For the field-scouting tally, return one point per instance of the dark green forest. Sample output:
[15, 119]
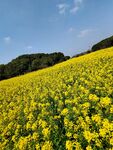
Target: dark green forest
[28, 63]
[103, 44]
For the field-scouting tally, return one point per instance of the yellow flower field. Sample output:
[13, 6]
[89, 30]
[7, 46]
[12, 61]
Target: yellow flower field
[65, 107]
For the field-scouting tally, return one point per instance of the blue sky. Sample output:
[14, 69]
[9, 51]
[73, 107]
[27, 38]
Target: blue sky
[69, 26]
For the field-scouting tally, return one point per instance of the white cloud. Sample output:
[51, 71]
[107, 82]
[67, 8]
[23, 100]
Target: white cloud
[62, 8]
[29, 47]
[78, 1]
[71, 29]
[76, 7]
[84, 33]
[7, 39]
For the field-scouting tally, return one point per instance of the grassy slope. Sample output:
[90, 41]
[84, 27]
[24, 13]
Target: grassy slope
[70, 92]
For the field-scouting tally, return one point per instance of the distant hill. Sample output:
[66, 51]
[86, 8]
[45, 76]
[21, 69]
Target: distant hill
[108, 42]
[27, 63]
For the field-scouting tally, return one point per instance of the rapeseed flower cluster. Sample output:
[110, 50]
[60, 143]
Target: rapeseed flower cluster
[65, 107]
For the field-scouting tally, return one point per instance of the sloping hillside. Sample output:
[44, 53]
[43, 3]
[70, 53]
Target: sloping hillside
[63, 107]
[108, 42]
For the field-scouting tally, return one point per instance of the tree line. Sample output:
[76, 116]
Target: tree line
[30, 62]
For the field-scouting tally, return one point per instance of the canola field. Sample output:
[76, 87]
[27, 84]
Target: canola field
[65, 107]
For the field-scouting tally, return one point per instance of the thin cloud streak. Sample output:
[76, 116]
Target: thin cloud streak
[85, 33]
